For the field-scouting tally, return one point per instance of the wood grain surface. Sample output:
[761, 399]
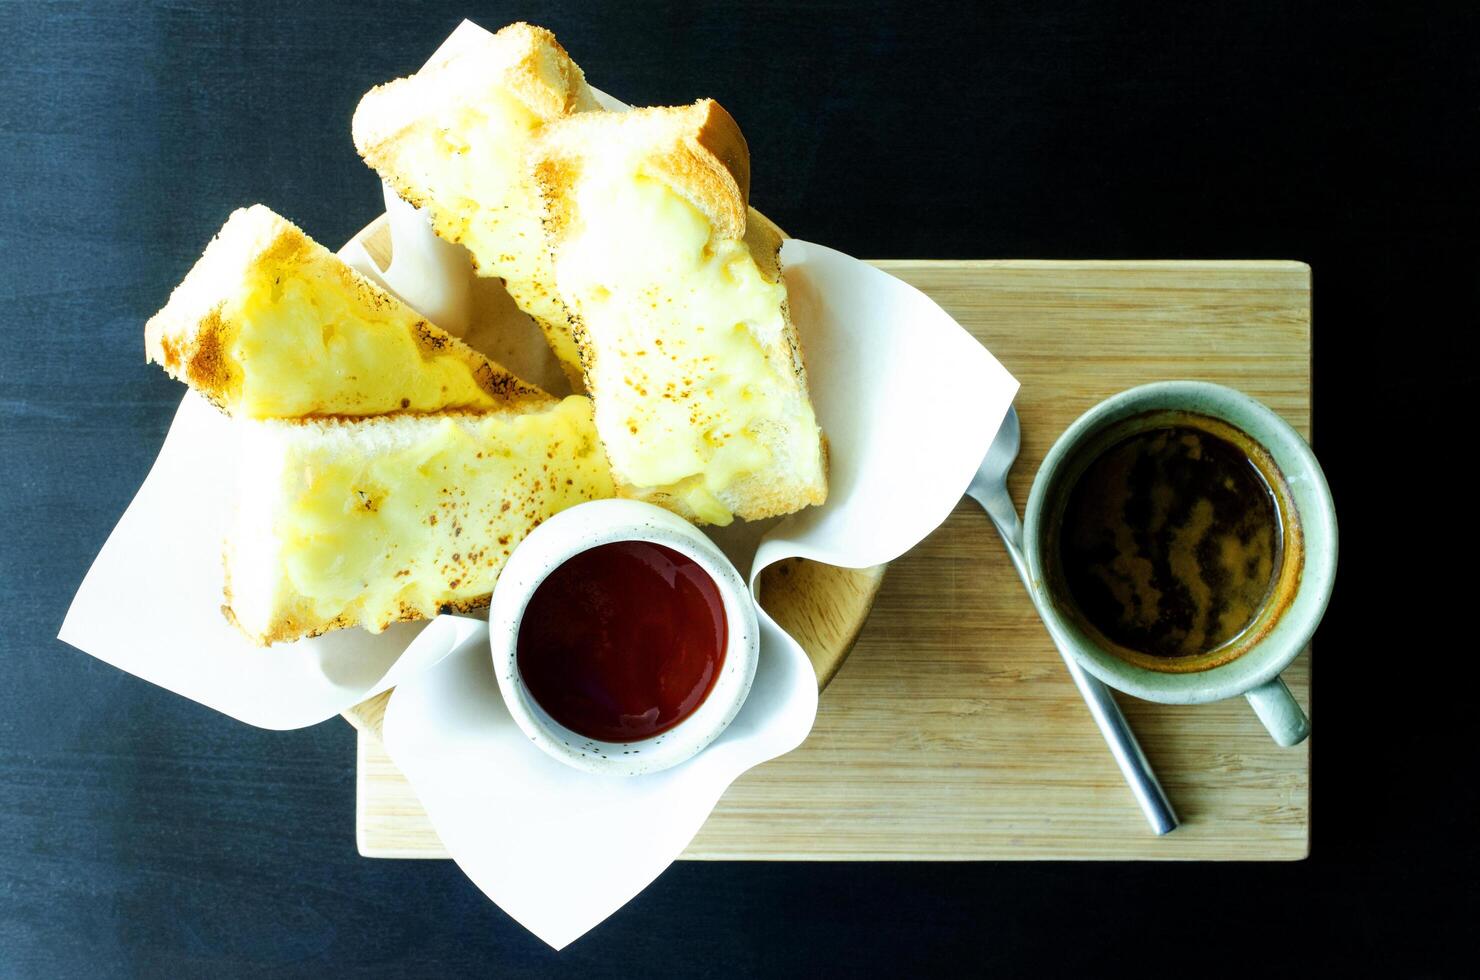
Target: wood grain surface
[952, 731]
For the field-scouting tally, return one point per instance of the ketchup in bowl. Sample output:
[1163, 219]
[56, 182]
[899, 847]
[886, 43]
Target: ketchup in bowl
[624, 641]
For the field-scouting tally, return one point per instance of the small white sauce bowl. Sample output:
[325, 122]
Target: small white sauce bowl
[580, 529]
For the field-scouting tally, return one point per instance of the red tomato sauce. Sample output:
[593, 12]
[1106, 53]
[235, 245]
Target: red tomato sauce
[623, 641]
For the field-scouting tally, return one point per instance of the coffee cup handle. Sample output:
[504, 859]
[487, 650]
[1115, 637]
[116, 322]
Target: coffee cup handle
[1280, 712]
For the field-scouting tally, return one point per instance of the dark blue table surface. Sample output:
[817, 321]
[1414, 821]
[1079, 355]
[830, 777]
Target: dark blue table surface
[141, 834]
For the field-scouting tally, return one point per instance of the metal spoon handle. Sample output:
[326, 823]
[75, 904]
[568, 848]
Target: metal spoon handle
[1124, 748]
[1102, 707]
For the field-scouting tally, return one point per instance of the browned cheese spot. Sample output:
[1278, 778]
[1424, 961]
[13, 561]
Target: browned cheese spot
[207, 368]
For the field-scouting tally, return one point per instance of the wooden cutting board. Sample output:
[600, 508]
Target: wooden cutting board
[952, 730]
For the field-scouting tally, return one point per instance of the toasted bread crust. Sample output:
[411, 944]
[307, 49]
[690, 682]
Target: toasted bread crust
[196, 359]
[705, 161]
[526, 60]
[192, 352]
[700, 153]
[290, 629]
[710, 167]
[192, 336]
[393, 119]
[544, 76]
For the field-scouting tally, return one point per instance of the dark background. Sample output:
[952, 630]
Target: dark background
[140, 833]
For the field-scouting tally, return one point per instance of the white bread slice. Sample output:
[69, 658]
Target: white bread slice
[451, 140]
[679, 312]
[366, 522]
[270, 324]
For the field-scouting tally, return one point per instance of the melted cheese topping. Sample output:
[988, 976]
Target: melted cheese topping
[693, 387]
[467, 165]
[373, 526]
[310, 339]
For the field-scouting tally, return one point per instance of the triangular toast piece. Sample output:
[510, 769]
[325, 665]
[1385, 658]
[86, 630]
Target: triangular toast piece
[364, 522]
[679, 312]
[451, 140]
[270, 324]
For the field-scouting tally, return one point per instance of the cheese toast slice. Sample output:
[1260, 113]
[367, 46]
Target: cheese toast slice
[679, 312]
[345, 522]
[451, 139]
[270, 324]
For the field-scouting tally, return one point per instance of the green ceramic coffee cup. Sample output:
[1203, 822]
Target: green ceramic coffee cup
[1250, 665]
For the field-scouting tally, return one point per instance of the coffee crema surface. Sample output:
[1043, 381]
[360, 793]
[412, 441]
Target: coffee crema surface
[1170, 543]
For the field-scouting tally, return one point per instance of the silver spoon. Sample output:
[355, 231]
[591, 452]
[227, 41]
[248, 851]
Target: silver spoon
[989, 488]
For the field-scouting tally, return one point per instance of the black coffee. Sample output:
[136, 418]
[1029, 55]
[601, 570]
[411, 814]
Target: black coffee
[1170, 542]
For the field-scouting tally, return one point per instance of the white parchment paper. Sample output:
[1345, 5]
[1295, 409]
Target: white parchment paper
[561, 850]
[910, 403]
